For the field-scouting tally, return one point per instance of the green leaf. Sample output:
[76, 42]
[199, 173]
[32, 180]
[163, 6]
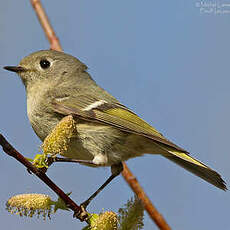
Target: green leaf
[132, 215]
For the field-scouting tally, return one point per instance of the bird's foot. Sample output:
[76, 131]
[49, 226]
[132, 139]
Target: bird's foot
[82, 215]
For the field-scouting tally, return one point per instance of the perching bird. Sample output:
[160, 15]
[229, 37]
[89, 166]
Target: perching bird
[58, 84]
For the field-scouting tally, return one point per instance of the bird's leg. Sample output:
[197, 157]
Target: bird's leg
[60, 159]
[116, 169]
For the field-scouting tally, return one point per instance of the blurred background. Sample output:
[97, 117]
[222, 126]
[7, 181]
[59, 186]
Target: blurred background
[168, 62]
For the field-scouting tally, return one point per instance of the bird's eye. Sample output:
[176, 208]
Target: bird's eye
[45, 64]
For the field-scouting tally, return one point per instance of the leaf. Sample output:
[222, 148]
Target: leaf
[132, 215]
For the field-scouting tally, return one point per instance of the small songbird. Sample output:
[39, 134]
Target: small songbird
[58, 84]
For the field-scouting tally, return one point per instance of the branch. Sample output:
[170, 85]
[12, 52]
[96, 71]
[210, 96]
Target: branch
[11, 151]
[46, 26]
[152, 211]
[130, 179]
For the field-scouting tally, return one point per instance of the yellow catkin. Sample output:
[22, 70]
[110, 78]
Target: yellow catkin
[105, 221]
[58, 140]
[30, 204]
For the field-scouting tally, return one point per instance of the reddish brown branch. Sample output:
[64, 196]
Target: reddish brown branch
[44, 21]
[152, 211]
[11, 151]
[128, 176]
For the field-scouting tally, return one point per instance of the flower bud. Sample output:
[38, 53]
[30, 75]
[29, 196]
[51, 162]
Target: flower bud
[30, 205]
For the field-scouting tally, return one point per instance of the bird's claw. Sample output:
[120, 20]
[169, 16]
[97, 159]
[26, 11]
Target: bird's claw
[82, 215]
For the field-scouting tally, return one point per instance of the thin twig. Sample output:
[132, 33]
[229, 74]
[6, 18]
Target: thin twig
[152, 211]
[11, 151]
[55, 44]
[47, 28]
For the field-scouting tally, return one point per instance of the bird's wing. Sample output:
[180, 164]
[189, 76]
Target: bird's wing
[90, 108]
[93, 109]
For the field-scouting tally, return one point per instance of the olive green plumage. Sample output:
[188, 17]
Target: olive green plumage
[57, 85]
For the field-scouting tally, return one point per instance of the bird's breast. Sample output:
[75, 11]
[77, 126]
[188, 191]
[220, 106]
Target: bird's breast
[41, 117]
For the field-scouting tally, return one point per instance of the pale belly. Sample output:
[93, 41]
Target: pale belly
[106, 146]
[101, 144]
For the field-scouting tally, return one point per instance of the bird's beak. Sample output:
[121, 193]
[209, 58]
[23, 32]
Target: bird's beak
[16, 69]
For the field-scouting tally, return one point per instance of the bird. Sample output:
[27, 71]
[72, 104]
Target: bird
[108, 133]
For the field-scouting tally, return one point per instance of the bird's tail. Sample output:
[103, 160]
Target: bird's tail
[195, 167]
